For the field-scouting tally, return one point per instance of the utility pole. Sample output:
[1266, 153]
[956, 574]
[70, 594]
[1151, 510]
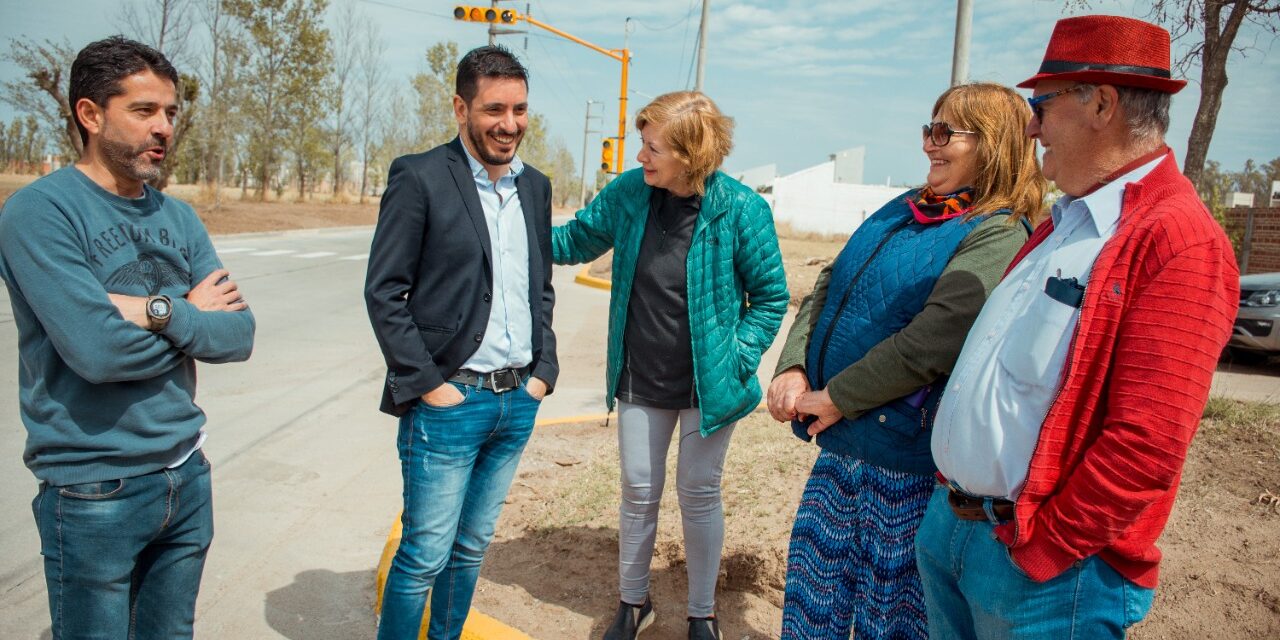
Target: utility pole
[494, 31]
[702, 45]
[960, 55]
[493, 26]
[586, 131]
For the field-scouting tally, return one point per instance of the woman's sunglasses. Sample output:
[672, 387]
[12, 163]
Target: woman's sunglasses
[940, 133]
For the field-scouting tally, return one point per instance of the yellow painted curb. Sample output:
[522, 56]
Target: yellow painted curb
[477, 627]
[556, 422]
[585, 278]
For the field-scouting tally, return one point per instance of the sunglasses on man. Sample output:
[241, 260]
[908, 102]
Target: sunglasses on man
[1037, 102]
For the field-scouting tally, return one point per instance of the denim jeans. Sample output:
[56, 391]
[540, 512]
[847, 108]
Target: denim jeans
[123, 558]
[973, 589]
[457, 463]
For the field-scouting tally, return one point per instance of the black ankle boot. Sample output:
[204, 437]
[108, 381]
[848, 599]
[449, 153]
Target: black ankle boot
[630, 621]
[704, 628]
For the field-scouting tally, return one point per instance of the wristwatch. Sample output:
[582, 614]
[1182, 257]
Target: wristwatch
[159, 308]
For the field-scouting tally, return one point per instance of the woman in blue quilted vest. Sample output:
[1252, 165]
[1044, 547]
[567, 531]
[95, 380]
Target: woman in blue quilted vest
[698, 294]
[868, 356]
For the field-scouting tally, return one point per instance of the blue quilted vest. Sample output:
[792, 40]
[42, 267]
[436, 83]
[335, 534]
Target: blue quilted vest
[879, 282]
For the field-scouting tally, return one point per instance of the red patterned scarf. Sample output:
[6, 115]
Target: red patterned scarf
[930, 208]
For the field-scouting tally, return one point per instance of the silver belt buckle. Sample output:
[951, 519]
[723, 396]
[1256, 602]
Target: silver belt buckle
[510, 380]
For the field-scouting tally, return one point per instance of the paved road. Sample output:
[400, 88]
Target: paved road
[306, 480]
[305, 476]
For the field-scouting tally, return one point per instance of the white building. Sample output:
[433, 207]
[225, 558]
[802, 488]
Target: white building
[826, 199]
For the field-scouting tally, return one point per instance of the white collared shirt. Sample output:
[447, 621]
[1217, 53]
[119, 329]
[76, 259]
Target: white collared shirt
[1009, 371]
[508, 337]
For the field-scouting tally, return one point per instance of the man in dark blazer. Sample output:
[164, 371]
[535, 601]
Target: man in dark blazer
[459, 294]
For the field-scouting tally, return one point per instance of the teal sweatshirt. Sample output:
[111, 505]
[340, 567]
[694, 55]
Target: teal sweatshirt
[102, 398]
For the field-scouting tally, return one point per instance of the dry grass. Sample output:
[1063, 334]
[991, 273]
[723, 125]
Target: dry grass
[786, 232]
[12, 182]
[763, 456]
[1220, 548]
[233, 215]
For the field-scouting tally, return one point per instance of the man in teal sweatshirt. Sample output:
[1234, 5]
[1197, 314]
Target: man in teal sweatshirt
[116, 293]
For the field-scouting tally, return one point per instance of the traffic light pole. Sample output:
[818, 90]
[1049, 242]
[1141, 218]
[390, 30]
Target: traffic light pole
[623, 55]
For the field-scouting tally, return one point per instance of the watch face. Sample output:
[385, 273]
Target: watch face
[158, 307]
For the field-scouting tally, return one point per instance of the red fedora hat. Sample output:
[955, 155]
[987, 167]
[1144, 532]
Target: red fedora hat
[1108, 50]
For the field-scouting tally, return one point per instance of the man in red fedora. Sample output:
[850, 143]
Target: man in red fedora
[1061, 436]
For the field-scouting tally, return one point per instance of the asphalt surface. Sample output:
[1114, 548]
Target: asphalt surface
[305, 475]
[306, 480]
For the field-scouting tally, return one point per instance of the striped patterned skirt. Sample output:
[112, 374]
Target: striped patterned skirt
[852, 563]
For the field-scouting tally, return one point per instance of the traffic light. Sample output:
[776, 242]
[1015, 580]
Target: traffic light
[485, 14]
[606, 156]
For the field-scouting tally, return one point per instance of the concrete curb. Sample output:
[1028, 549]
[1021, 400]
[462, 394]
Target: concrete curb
[586, 279]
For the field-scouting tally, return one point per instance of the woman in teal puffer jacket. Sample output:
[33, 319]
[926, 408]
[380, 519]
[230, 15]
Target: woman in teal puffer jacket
[698, 294]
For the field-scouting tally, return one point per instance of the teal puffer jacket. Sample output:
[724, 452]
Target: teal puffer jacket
[737, 288]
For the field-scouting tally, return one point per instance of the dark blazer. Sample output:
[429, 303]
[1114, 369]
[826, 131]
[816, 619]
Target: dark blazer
[430, 280]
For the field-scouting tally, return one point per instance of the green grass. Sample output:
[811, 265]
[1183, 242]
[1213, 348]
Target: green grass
[1241, 414]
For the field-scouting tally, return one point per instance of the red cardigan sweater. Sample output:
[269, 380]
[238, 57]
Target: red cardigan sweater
[1158, 309]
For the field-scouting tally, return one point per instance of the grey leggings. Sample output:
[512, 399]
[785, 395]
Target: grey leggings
[644, 436]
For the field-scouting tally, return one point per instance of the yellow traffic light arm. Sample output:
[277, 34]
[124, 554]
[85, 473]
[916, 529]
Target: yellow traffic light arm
[485, 14]
[621, 55]
[612, 53]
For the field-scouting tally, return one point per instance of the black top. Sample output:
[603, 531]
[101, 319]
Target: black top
[657, 366]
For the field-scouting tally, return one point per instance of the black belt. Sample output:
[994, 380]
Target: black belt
[967, 507]
[495, 381]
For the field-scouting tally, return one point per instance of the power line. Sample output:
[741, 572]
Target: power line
[409, 9]
[684, 40]
[678, 22]
[692, 59]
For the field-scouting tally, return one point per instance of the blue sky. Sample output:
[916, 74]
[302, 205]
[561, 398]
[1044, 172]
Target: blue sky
[802, 79]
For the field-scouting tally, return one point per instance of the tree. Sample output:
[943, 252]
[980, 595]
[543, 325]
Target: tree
[225, 54]
[341, 111]
[22, 145]
[287, 62]
[1211, 26]
[551, 157]
[165, 25]
[45, 67]
[369, 63]
[1216, 185]
[435, 87]
[398, 131]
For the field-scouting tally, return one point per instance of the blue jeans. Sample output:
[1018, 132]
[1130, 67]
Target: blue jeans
[973, 589]
[457, 464]
[123, 558]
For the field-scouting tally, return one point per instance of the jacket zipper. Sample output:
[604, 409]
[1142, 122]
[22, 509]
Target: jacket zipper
[1062, 379]
[844, 300]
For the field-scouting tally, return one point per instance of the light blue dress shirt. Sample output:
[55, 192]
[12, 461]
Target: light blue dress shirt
[1011, 366]
[508, 338]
